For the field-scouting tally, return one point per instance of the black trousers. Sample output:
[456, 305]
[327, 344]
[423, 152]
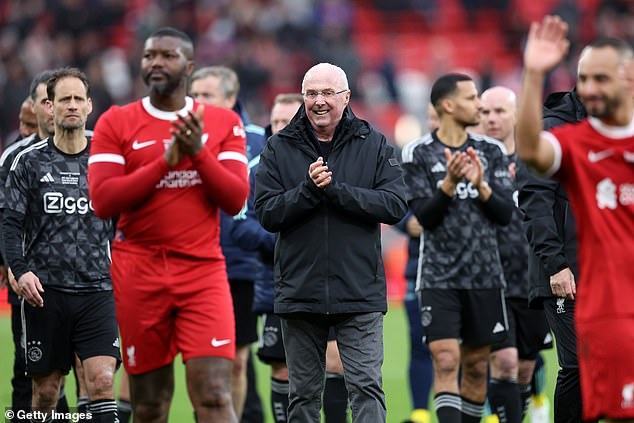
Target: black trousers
[561, 318]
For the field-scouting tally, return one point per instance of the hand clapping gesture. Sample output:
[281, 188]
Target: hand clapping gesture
[319, 173]
[186, 136]
[473, 169]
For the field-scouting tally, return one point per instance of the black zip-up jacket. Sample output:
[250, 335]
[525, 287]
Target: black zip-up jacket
[328, 252]
[548, 219]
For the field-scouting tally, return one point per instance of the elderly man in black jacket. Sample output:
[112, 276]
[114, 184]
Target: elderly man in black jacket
[552, 235]
[325, 183]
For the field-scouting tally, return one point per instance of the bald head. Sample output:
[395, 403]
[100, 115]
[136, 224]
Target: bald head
[329, 71]
[500, 94]
[499, 106]
[326, 96]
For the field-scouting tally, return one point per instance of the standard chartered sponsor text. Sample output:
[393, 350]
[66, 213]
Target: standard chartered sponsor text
[180, 179]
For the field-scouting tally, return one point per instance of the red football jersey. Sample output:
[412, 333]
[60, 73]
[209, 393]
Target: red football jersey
[595, 163]
[175, 209]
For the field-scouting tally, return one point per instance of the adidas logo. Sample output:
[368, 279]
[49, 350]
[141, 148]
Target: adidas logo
[47, 178]
[438, 167]
[548, 339]
[499, 327]
[116, 343]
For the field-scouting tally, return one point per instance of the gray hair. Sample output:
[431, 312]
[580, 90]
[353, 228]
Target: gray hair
[229, 83]
[287, 98]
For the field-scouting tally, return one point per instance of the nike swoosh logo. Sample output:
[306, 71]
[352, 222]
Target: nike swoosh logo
[219, 342]
[595, 157]
[136, 145]
[628, 156]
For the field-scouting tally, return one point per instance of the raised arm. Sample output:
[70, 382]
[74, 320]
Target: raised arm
[545, 48]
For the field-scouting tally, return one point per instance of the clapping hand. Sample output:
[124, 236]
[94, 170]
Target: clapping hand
[319, 173]
[455, 171]
[186, 136]
[473, 169]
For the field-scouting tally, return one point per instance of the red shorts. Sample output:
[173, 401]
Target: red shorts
[168, 304]
[606, 365]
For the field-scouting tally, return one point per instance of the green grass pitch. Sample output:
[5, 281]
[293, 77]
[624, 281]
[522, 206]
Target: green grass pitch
[394, 372]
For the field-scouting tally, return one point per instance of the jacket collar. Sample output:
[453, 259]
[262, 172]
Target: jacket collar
[565, 106]
[242, 112]
[299, 131]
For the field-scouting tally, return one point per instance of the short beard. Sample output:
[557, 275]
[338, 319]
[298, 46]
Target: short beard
[69, 129]
[165, 88]
[609, 108]
[468, 124]
[49, 131]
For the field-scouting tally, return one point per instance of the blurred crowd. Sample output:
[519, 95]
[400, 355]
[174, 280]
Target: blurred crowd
[389, 49]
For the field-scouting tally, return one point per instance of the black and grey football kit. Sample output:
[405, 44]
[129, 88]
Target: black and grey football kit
[270, 343]
[459, 249]
[528, 328]
[21, 385]
[51, 230]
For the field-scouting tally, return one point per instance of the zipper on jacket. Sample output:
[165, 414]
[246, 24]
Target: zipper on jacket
[327, 262]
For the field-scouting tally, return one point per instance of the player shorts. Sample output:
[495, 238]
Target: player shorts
[68, 324]
[168, 303]
[606, 368]
[270, 343]
[474, 316]
[528, 330]
[246, 318]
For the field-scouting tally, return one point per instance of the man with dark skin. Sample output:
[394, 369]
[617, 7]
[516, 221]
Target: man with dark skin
[28, 121]
[154, 162]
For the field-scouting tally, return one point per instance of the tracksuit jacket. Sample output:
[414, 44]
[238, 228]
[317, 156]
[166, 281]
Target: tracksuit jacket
[248, 234]
[548, 220]
[241, 264]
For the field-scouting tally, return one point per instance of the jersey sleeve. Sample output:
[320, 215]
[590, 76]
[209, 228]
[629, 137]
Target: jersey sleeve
[499, 207]
[557, 138]
[225, 176]
[246, 231]
[17, 187]
[4, 174]
[500, 178]
[417, 176]
[112, 191]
